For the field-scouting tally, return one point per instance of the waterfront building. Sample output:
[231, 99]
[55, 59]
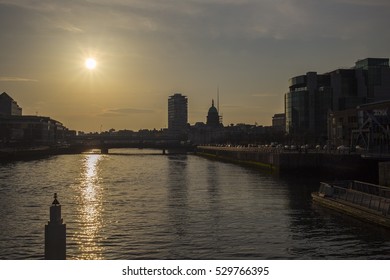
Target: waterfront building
[306, 106]
[313, 96]
[367, 127]
[8, 106]
[341, 124]
[373, 131]
[177, 114]
[30, 131]
[376, 73]
[17, 130]
[279, 122]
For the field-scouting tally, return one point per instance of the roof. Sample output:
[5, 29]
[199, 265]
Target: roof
[213, 110]
[383, 102]
[5, 95]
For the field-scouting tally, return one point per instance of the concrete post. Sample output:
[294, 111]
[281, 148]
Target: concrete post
[55, 234]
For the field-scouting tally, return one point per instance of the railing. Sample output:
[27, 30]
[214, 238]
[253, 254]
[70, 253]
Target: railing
[371, 189]
[370, 196]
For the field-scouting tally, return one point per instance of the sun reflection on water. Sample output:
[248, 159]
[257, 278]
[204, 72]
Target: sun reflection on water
[90, 209]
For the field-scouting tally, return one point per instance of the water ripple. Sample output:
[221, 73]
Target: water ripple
[173, 207]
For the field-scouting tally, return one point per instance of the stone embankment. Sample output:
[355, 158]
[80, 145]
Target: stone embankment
[281, 161]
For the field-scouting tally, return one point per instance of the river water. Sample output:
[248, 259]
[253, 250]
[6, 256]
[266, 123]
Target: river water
[139, 204]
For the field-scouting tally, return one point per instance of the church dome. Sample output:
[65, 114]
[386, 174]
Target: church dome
[213, 110]
[213, 116]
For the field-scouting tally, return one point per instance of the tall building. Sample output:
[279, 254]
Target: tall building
[306, 105]
[177, 114]
[376, 73]
[8, 106]
[313, 96]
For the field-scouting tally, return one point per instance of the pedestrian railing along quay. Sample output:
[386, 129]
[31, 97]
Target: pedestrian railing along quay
[373, 197]
[268, 150]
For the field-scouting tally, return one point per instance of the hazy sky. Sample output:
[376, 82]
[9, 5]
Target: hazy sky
[147, 50]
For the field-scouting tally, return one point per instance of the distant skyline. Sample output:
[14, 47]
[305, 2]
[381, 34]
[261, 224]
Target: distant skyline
[146, 51]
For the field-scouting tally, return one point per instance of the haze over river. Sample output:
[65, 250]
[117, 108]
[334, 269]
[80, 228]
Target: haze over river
[140, 204]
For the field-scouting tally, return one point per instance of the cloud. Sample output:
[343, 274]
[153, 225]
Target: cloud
[66, 26]
[124, 111]
[38, 5]
[16, 79]
[376, 3]
[207, 20]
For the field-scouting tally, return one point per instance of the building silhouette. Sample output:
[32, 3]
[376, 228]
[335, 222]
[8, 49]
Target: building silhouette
[313, 96]
[8, 106]
[213, 118]
[26, 131]
[177, 114]
[279, 122]
[211, 132]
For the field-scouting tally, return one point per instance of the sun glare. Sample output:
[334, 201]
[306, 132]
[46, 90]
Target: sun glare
[90, 63]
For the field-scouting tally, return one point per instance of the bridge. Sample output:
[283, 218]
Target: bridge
[105, 142]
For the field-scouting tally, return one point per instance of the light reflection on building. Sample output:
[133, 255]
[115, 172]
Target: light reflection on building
[90, 209]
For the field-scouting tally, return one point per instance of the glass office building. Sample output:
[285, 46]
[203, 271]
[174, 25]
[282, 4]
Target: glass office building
[313, 96]
[306, 106]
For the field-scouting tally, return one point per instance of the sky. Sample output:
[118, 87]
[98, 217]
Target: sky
[148, 50]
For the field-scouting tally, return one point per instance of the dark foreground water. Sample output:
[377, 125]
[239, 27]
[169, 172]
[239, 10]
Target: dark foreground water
[144, 206]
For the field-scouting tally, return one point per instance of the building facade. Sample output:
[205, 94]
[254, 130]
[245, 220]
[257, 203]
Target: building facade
[279, 122]
[27, 131]
[376, 73]
[367, 127]
[373, 127]
[313, 96]
[177, 114]
[341, 124]
[8, 106]
[306, 106]
[30, 131]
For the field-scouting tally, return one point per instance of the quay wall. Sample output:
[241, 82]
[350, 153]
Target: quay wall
[282, 162]
[278, 162]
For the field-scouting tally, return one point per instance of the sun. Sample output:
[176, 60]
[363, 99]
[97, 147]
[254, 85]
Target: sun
[90, 63]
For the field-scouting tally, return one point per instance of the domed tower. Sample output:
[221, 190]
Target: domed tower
[213, 116]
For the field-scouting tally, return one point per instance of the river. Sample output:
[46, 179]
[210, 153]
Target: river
[140, 204]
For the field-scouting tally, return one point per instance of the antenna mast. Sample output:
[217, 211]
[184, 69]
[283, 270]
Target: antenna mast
[219, 113]
[218, 98]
